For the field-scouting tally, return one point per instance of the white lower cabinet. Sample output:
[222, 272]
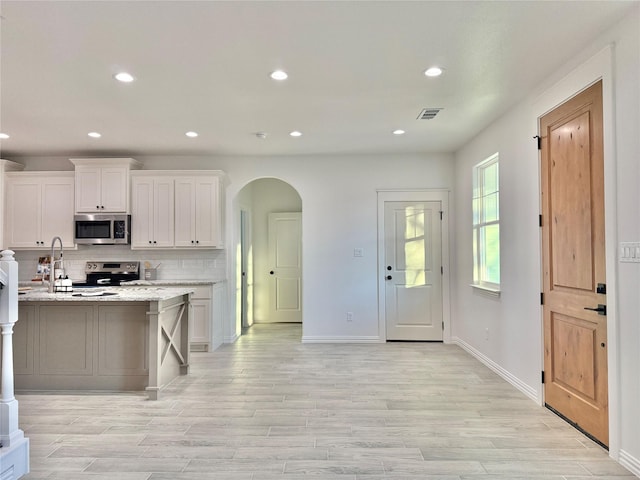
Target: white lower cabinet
[200, 328]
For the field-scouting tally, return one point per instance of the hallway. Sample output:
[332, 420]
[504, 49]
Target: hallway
[269, 407]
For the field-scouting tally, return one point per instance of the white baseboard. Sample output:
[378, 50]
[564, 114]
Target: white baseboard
[232, 338]
[629, 462]
[513, 380]
[340, 339]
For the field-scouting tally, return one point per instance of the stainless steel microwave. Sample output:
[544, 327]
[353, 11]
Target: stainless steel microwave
[102, 229]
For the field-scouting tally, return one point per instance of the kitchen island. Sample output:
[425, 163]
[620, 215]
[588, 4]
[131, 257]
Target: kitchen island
[106, 339]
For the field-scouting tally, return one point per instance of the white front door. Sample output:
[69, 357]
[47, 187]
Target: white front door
[285, 260]
[413, 271]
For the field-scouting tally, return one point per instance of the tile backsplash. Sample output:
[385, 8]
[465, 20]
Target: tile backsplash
[174, 264]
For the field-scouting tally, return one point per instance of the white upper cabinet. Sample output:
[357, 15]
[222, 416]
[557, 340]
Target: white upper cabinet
[174, 210]
[39, 207]
[198, 212]
[102, 184]
[152, 211]
[5, 167]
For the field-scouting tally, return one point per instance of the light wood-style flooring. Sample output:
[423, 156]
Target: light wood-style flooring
[271, 408]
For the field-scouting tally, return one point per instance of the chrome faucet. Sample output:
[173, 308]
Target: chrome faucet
[53, 260]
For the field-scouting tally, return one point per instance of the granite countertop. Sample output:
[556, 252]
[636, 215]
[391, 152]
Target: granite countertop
[170, 282]
[106, 294]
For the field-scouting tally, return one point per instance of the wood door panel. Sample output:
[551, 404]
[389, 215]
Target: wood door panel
[573, 251]
[571, 228]
[574, 344]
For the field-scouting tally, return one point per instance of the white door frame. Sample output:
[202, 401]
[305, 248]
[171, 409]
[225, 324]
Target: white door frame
[441, 196]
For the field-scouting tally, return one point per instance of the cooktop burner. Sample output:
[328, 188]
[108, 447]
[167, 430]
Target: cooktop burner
[104, 274]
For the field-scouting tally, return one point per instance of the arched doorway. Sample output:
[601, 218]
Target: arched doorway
[268, 287]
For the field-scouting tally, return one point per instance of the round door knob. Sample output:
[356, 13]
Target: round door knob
[388, 267]
[271, 272]
[389, 277]
[98, 207]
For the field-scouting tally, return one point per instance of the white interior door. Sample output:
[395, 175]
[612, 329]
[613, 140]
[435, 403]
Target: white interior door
[413, 271]
[285, 259]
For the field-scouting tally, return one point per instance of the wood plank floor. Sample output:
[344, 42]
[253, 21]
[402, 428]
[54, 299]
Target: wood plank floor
[271, 408]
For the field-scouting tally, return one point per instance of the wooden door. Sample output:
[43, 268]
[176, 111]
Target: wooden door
[575, 338]
[285, 276]
[413, 271]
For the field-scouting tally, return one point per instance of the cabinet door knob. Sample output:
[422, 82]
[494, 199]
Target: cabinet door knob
[150, 241]
[197, 241]
[389, 277]
[98, 207]
[271, 272]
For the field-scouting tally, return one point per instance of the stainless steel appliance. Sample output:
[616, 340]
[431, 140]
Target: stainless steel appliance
[104, 274]
[102, 229]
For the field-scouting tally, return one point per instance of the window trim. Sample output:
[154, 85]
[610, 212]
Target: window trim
[490, 288]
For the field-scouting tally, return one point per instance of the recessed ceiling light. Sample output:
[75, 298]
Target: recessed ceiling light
[398, 132]
[94, 134]
[4, 136]
[433, 72]
[191, 134]
[296, 133]
[279, 75]
[124, 77]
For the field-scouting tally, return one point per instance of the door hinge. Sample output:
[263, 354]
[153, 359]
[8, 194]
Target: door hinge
[541, 298]
[542, 376]
[443, 326]
[441, 214]
[539, 140]
[441, 270]
[539, 220]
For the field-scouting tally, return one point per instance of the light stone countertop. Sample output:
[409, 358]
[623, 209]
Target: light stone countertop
[170, 282]
[122, 294]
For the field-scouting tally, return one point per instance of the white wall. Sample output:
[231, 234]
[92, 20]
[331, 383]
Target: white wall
[339, 213]
[514, 346]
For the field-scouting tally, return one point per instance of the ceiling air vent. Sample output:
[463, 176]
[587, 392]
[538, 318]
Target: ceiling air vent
[428, 113]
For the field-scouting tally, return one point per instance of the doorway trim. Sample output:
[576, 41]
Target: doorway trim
[431, 195]
[598, 67]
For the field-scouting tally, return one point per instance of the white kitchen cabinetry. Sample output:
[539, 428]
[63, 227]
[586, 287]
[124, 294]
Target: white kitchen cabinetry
[39, 207]
[152, 211]
[5, 167]
[102, 184]
[198, 212]
[200, 327]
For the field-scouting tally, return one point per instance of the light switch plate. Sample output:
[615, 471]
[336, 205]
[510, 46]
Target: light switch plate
[629, 252]
[358, 252]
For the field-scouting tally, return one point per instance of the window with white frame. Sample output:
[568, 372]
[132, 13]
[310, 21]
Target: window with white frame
[486, 224]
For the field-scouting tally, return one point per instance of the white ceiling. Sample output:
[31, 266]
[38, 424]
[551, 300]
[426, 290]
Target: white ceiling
[355, 72]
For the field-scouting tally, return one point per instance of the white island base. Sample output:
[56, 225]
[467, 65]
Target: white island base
[134, 340]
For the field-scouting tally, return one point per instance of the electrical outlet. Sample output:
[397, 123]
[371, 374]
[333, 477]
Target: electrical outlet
[349, 316]
[358, 252]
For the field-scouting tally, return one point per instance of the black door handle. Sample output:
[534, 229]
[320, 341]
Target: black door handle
[271, 272]
[602, 309]
[389, 277]
[388, 267]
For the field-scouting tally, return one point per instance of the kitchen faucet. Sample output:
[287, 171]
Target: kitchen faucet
[52, 265]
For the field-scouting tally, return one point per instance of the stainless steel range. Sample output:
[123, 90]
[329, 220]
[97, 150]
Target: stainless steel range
[102, 274]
